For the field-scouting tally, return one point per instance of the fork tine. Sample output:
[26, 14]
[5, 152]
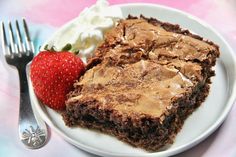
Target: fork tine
[29, 44]
[4, 40]
[19, 38]
[26, 30]
[13, 47]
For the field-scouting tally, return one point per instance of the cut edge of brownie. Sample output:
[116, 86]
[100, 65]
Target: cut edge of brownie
[142, 133]
[137, 133]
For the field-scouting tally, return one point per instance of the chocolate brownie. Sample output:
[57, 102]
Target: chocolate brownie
[143, 82]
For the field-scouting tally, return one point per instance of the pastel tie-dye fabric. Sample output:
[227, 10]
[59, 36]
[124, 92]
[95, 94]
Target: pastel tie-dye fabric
[45, 16]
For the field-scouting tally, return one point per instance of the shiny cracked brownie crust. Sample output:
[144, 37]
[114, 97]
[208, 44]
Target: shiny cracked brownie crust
[143, 82]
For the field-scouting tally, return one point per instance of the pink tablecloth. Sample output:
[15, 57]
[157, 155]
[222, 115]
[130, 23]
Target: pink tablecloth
[45, 16]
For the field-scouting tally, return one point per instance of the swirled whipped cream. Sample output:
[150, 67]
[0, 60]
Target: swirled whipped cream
[86, 31]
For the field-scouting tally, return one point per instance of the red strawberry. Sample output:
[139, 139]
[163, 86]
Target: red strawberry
[53, 74]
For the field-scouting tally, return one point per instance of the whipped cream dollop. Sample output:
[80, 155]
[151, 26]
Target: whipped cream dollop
[86, 31]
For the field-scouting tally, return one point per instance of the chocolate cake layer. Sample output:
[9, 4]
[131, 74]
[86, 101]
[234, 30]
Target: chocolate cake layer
[143, 82]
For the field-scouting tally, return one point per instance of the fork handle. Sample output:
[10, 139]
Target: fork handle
[26, 112]
[32, 133]
[23, 79]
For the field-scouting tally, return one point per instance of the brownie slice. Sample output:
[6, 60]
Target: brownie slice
[143, 82]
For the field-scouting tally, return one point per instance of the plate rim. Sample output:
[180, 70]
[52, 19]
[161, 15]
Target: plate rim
[173, 151]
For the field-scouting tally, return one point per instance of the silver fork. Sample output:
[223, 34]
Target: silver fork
[32, 132]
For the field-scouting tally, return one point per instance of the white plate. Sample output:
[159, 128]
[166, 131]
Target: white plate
[197, 127]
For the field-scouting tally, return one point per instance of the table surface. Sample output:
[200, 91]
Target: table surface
[45, 16]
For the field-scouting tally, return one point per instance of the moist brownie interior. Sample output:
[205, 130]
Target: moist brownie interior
[143, 82]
